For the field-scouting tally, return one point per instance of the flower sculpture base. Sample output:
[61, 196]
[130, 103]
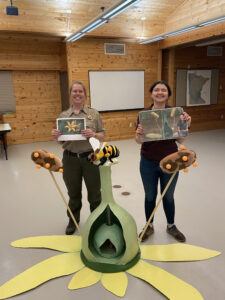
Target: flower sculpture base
[109, 236]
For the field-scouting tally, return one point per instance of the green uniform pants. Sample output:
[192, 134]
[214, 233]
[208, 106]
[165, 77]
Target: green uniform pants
[74, 170]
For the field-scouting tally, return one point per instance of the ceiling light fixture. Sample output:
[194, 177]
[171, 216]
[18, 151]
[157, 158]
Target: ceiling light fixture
[96, 26]
[119, 8]
[177, 32]
[75, 37]
[212, 21]
[93, 24]
[152, 40]
[102, 19]
[183, 30]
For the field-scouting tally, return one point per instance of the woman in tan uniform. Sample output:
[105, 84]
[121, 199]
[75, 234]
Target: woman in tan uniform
[75, 164]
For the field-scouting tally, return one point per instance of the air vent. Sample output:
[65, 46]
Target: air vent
[114, 49]
[214, 51]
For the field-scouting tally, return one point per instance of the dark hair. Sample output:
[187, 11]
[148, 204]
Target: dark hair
[80, 83]
[161, 82]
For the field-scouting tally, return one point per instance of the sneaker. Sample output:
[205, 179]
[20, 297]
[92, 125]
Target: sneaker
[149, 231]
[71, 228]
[176, 233]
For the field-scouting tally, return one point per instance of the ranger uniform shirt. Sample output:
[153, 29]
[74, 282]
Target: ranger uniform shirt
[93, 121]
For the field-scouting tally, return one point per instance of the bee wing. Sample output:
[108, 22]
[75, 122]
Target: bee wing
[95, 144]
[103, 145]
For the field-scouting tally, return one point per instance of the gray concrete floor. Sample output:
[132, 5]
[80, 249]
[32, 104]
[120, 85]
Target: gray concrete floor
[30, 205]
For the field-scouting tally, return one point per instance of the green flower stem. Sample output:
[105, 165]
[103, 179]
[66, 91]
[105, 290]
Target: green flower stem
[106, 184]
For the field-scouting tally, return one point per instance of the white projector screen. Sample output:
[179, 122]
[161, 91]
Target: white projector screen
[116, 90]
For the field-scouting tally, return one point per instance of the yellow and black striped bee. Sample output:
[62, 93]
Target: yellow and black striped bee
[107, 152]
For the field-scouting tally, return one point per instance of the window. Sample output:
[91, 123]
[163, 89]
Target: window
[7, 98]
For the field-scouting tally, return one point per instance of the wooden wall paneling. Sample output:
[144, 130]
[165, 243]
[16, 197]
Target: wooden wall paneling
[171, 71]
[88, 54]
[209, 116]
[25, 52]
[63, 57]
[165, 64]
[38, 104]
[196, 58]
[221, 96]
[119, 125]
[159, 69]
[36, 87]
[168, 69]
[49, 24]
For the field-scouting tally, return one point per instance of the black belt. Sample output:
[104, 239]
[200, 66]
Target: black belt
[82, 154]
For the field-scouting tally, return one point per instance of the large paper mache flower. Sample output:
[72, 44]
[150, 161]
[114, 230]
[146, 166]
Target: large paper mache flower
[107, 249]
[70, 262]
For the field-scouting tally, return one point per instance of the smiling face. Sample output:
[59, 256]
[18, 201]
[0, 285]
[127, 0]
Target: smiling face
[77, 95]
[160, 95]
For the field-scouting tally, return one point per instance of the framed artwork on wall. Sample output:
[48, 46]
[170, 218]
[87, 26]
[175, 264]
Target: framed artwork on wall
[195, 87]
[198, 87]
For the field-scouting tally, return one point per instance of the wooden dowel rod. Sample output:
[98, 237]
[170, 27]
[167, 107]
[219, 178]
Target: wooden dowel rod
[65, 202]
[157, 205]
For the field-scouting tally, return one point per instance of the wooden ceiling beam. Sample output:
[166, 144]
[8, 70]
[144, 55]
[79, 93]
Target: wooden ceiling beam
[200, 34]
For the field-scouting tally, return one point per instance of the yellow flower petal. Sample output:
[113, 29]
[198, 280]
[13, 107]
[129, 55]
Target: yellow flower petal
[169, 285]
[115, 283]
[176, 252]
[56, 266]
[60, 243]
[84, 278]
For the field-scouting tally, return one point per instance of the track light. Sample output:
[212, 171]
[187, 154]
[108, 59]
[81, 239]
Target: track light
[75, 37]
[92, 25]
[152, 40]
[182, 30]
[212, 21]
[177, 32]
[118, 9]
[96, 26]
[102, 19]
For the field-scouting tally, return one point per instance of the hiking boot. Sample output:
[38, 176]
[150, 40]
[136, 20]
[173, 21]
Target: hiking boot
[71, 228]
[149, 231]
[176, 233]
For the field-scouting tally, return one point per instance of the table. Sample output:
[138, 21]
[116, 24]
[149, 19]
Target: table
[4, 128]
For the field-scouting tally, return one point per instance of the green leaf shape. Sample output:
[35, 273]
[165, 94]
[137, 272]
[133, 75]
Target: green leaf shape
[176, 252]
[56, 266]
[55, 242]
[168, 284]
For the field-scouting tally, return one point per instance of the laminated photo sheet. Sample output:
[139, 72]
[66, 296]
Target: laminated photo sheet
[71, 128]
[163, 124]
